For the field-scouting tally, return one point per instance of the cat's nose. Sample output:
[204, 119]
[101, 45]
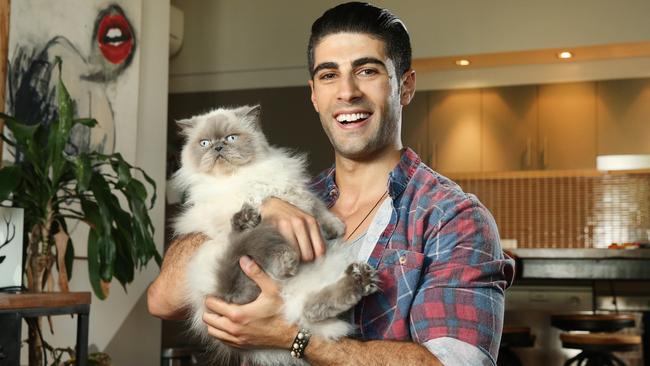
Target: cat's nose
[218, 148]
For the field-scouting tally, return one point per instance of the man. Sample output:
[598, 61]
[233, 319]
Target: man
[435, 247]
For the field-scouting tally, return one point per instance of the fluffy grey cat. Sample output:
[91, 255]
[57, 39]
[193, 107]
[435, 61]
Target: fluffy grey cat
[227, 170]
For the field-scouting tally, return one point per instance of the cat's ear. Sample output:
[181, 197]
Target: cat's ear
[253, 113]
[185, 125]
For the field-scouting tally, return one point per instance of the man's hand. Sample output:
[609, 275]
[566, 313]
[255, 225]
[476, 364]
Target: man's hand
[297, 226]
[253, 325]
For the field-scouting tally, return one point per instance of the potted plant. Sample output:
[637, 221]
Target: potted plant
[56, 188]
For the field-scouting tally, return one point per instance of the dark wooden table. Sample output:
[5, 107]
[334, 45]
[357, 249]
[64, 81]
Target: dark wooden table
[14, 307]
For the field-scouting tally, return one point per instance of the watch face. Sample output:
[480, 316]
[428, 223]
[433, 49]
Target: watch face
[11, 246]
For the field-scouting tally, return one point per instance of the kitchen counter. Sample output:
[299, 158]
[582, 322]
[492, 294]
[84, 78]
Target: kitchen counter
[583, 264]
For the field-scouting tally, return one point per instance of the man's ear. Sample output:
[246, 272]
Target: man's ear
[313, 97]
[407, 89]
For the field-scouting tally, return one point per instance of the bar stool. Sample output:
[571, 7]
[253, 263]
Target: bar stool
[513, 337]
[593, 322]
[596, 347]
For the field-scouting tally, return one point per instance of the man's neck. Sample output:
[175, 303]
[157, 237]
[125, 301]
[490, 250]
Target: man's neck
[359, 180]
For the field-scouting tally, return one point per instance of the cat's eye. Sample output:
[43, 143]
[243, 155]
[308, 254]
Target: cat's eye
[204, 143]
[231, 138]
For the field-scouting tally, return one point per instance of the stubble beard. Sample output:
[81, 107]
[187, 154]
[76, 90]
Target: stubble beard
[362, 146]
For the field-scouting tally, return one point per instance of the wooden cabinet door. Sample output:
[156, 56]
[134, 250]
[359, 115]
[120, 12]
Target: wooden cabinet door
[567, 127]
[624, 117]
[455, 130]
[509, 138]
[415, 126]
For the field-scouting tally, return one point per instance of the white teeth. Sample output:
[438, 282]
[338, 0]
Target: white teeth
[114, 33]
[352, 117]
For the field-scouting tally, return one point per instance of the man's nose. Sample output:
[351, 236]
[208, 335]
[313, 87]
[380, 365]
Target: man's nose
[349, 89]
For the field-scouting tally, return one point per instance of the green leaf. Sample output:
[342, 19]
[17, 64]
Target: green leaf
[124, 263]
[107, 257]
[91, 211]
[22, 132]
[88, 122]
[60, 129]
[94, 264]
[69, 259]
[83, 172]
[124, 175]
[102, 193]
[10, 177]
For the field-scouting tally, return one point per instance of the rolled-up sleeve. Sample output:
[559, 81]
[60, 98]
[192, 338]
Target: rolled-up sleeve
[461, 292]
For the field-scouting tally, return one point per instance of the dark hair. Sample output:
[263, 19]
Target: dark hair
[356, 17]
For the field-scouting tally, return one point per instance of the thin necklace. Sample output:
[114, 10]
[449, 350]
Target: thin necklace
[368, 214]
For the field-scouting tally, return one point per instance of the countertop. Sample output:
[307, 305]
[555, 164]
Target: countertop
[583, 264]
[581, 253]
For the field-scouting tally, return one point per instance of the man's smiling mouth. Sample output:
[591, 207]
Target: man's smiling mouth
[348, 118]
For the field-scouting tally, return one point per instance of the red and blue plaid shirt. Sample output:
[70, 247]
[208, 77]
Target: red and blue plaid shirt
[442, 270]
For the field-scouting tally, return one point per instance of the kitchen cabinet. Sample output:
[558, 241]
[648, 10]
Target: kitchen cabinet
[623, 117]
[567, 126]
[530, 127]
[509, 136]
[455, 130]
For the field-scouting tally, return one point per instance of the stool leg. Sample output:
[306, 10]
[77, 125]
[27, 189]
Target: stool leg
[577, 358]
[617, 361]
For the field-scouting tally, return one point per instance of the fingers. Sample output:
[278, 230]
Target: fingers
[255, 273]
[299, 228]
[318, 244]
[301, 231]
[223, 328]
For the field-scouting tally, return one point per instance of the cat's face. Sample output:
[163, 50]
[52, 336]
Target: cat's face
[223, 140]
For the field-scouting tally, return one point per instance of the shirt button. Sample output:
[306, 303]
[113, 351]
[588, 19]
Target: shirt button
[402, 260]
[332, 192]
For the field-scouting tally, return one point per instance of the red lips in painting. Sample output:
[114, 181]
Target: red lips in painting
[115, 37]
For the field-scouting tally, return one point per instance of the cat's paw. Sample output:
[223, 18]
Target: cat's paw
[332, 227]
[365, 277]
[246, 218]
[289, 261]
[284, 263]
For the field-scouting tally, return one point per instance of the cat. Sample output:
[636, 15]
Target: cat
[228, 169]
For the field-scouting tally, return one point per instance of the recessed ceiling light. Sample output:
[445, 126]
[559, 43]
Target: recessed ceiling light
[462, 62]
[565, 54]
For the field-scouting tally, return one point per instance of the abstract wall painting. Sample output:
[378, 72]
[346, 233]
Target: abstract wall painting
[98, 44]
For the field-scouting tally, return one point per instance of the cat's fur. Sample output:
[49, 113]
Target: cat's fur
[226, 179]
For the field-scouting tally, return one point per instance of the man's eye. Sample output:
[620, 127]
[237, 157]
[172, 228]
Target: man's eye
[368, 72]
[327, 76]
[204, 143]
[231, 138]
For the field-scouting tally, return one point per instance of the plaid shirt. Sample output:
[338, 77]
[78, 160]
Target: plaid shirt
[442, 270]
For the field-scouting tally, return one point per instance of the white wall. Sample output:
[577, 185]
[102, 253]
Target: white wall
[240, 44]
[121, 325]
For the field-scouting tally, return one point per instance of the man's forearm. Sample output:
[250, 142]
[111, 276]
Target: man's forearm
[165, 296]
[348, 351]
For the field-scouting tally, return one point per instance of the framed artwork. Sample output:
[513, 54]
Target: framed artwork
[11, 247]
[99, 47]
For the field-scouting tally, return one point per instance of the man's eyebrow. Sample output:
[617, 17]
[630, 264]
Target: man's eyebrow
[325, 65]
[367, 60]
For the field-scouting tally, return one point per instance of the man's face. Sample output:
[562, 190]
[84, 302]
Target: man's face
[357, 94]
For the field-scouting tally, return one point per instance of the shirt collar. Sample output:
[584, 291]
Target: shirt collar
[398, 178]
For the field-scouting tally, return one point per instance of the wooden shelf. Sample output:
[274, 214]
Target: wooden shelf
[43, 300]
